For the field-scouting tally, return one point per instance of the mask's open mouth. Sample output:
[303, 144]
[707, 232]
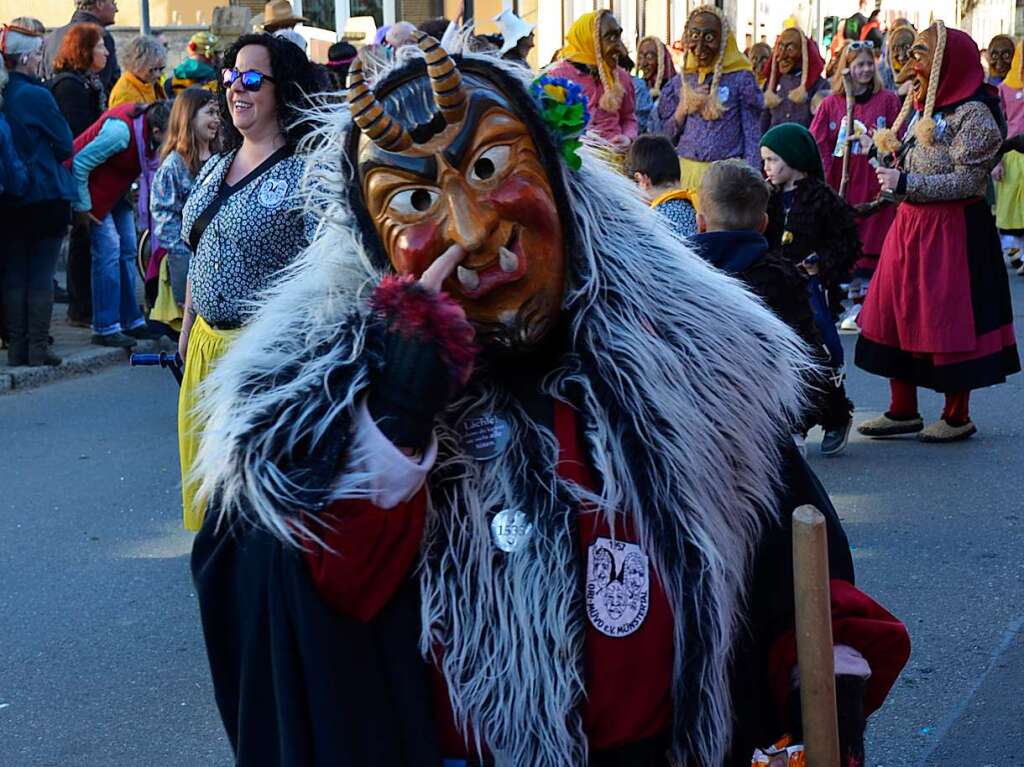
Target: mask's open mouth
[509, 265]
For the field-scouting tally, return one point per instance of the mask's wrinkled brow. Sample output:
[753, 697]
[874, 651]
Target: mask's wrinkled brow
[426, 167]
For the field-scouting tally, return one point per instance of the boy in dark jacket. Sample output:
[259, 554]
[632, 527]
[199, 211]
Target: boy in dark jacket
[733, 202]
[812, 228]
[805, 216]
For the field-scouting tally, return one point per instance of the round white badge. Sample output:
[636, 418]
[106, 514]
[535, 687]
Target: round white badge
[272, 192]
[510, 530]
[485, 435]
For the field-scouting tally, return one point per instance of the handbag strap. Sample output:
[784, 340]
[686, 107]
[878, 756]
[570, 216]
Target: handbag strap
[195, 234]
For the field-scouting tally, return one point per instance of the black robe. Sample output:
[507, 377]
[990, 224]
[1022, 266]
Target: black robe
[300, 685]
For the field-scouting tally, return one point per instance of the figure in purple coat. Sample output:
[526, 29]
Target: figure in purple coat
[712, 109]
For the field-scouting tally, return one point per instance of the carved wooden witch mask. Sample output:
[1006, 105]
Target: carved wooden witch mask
[445, 157]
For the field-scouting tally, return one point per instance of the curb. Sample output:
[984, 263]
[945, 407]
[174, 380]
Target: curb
[83, 362]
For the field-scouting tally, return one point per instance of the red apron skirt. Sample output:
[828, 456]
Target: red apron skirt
[938, 313]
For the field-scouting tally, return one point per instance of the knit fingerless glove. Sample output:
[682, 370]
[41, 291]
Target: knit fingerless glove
[427, 356]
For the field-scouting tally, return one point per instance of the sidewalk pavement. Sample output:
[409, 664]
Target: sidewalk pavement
[80, 356]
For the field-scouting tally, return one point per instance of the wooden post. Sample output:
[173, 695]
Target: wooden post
[814, 638]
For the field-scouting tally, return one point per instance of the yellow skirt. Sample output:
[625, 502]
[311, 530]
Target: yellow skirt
[206, 345]
[1010, 193]
[166, 309]
[691, 174]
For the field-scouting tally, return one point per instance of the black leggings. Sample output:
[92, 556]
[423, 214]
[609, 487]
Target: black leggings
[30, 264]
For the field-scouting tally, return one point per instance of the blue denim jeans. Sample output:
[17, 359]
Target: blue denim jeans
[114, 305]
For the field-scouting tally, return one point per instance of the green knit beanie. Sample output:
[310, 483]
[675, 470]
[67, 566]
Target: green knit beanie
[795, 144]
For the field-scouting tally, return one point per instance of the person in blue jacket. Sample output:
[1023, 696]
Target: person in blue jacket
[38, 219]
[13, 179]
[13, 175]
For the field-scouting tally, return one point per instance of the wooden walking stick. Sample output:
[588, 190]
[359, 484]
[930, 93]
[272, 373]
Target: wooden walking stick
[848, 146]
[814, 638]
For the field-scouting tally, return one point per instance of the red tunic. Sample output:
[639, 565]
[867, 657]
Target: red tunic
[628, 678]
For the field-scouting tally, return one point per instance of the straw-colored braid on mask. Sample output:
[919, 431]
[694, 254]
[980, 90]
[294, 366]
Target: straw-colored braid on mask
[611, 99]
[708, 104]
[886, 139]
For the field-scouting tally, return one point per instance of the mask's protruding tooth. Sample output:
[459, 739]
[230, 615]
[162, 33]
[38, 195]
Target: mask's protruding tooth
[469, 279]
[508, 260]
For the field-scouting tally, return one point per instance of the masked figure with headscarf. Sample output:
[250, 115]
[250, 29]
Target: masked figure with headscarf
[895, 56]
[938, 313]
[795, 85]
[712, 110]
[590, 58]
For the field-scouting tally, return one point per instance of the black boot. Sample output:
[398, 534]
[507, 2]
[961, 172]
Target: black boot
[40, 312]
[14, 319]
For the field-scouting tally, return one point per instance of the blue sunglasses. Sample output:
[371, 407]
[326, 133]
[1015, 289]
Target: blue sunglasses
[252, 80]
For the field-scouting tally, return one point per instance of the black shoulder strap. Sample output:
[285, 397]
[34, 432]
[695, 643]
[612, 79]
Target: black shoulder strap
[196, 232]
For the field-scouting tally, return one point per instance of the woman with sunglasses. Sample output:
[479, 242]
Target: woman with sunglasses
[144, 60]
[875, 108]
[241, 218]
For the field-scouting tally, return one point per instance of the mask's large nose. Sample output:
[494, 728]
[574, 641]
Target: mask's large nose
[470, 224]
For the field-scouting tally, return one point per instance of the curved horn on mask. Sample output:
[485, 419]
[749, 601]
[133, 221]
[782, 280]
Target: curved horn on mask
[368, 113]
[445, 79]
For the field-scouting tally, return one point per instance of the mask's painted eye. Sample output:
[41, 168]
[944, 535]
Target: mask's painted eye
[490, 164]
[410, 201]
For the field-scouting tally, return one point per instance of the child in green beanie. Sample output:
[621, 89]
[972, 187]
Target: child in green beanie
[811, 226]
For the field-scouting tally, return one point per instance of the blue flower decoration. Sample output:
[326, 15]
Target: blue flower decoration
[564, 108]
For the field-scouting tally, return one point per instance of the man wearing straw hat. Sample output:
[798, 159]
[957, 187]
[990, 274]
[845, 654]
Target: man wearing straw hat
[277, 14]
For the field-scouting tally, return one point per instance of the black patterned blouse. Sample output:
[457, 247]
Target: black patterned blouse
[258, 229]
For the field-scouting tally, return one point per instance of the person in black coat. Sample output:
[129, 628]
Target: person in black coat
[81, 98]
[100, 12]
[731, 222]
[814, 229]
[805, 215]
[76, 83]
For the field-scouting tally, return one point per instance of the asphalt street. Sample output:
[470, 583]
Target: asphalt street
[102, 660]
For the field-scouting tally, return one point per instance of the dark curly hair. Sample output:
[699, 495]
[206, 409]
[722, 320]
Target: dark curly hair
[295, 80]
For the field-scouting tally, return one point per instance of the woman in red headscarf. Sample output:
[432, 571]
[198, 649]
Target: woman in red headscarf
[938, 313]
[795, 86]
[655, 62]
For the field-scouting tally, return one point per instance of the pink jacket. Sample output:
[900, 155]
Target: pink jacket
[608, 125]
[1013, 108]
